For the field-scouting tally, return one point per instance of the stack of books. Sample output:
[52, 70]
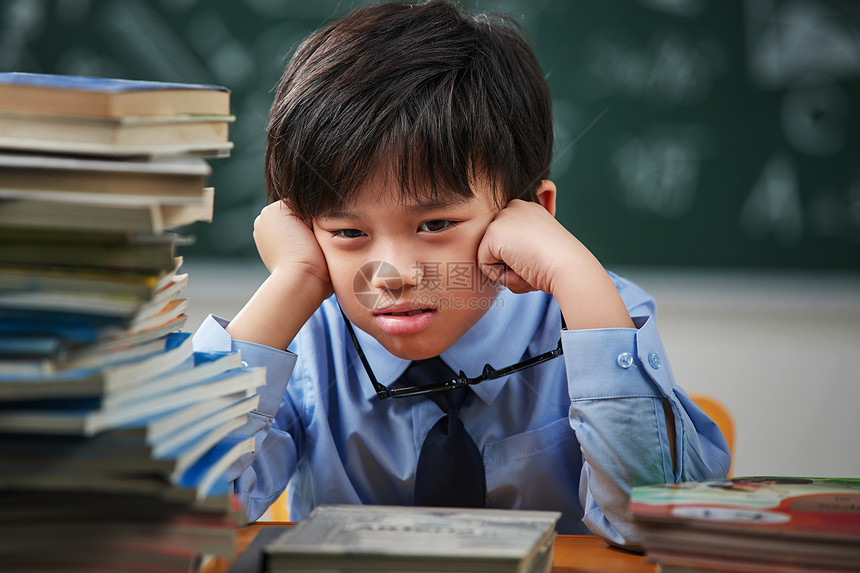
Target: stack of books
[759, 524]
[114, 434]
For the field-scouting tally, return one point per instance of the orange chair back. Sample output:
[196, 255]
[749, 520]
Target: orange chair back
[717, 412]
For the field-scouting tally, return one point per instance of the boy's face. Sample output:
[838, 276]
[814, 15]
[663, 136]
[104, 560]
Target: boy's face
[407, 273]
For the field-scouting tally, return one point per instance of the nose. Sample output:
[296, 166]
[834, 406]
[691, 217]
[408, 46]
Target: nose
[396, 269]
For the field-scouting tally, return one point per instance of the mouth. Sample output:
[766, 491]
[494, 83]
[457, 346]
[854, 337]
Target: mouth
[412, 312]
[404, 320]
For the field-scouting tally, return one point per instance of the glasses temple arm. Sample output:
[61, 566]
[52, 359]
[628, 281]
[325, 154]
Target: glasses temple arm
[381, 390]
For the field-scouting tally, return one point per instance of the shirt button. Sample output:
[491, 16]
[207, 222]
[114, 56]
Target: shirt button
[654, 360]
[625, 360]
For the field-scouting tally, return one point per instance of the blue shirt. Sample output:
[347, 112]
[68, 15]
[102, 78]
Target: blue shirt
[573, 434]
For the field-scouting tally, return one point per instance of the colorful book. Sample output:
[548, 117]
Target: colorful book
[751, 524]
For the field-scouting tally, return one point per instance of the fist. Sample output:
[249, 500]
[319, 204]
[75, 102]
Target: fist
[287, 244]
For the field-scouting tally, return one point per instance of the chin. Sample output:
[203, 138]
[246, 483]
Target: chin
[412, 349]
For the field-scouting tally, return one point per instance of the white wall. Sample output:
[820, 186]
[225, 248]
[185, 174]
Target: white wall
[780, 350]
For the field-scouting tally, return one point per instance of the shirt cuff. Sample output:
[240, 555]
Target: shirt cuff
[212, 336]
[616, 362]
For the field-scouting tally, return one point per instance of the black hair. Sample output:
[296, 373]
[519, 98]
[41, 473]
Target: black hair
[438, 96]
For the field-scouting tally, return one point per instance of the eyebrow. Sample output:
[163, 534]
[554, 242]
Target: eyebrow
[428, 204]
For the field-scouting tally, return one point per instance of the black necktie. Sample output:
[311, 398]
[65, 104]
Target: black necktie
[450, 471]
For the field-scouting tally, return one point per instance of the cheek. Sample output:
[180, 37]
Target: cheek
[341, 270]
[339, 267]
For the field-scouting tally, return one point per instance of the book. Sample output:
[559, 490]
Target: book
[755, 524]
[206, 474]
[85, 248]
[43, 355]
[170, 176]
[165, 429]
[55, 531]
[117, 213]
[111, 378]
[99, 281]
[127, 136]
[395, 538]
[125, 299]
[105, 531]
[90, 417]
[50, 336]
[83, 96]
[139, 447]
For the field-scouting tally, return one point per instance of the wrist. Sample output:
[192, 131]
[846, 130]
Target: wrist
[279, 308]
[587, 296]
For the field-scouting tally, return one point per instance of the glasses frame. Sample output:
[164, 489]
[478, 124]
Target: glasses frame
[489, 373]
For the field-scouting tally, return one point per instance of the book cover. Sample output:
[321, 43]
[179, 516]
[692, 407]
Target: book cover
[755, 523]
[108, 97]
[394, 538]
[816, 507]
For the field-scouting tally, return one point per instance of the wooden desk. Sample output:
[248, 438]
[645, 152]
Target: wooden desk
[571, 554]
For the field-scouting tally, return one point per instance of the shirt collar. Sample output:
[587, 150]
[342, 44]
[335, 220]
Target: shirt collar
[499, 338]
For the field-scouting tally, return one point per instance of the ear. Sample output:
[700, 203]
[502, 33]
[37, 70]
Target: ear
[546, 194]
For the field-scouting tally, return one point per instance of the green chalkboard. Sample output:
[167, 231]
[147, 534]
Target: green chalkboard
[689, 133]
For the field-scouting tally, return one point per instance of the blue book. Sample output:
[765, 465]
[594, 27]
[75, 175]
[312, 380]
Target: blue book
[206, 475]
[98, 381]
[108, 97]
[90, 417]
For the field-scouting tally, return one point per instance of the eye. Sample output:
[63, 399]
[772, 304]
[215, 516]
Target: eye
[436, 225]
[348, 233]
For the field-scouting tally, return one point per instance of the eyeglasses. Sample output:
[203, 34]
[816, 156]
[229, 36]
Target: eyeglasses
[460, 381]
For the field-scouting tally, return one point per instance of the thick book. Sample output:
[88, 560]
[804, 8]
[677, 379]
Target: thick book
[395, 538]
[755, 524]
[126, 136]
[90, 248]
[171, 176]
[108, 212]
[108, 97]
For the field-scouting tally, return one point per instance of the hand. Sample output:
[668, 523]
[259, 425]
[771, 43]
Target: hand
[298, 284]
[287, 245]
[525, 248]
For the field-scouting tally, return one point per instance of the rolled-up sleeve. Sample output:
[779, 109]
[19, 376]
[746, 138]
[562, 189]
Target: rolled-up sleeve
[624, 404]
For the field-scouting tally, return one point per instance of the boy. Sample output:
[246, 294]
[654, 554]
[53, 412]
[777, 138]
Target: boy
[408, 153]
